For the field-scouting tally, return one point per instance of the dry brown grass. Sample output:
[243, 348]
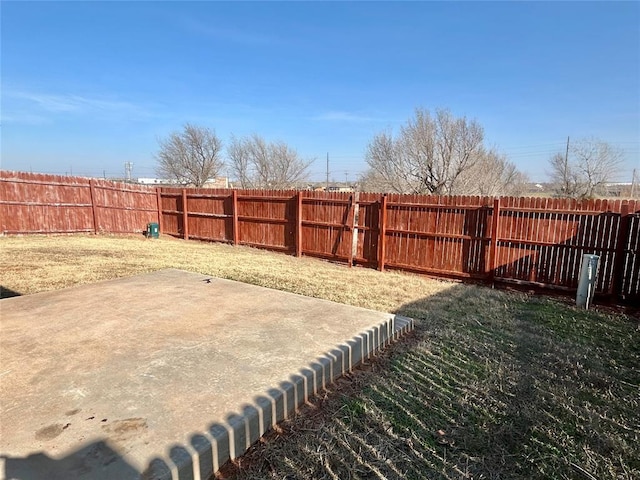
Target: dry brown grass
[491, 385]
[33, 264]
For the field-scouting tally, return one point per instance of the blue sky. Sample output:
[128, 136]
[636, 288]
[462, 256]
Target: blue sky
[88, 86]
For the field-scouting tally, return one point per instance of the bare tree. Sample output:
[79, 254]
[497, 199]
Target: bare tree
[258, 164]
[429, 154]
[191, 156]
[492, 175]
[371, 181]
[586, 169]
[564, 176]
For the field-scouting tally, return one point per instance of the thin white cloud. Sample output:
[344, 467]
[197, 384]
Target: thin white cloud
[234, 35]
[23, 118]
[50, 103]
[341, 116]
[22, 106]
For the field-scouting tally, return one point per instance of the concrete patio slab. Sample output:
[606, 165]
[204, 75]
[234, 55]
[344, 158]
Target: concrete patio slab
[164, 375]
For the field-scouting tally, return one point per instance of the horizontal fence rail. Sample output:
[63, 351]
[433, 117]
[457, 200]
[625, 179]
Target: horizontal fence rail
[38, 203]
[536, 242]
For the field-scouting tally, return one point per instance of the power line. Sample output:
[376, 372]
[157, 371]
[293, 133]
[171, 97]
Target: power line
[540, 145]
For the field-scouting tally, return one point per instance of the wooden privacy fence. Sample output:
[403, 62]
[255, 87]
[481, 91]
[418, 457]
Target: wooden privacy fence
[39, 203]
[528, 241]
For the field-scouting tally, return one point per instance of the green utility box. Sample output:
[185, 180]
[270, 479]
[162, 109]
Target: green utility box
[153, 230]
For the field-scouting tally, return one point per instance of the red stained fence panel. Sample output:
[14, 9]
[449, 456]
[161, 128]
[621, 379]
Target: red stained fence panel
[438, 234]
[541, 241]
[39, 203]
[36, 203]
[530, 241]
[122, 207]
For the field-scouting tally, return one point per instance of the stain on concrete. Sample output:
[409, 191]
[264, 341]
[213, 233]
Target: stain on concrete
[50, 432]
[72, 412]
[123, 429]
[228, 328]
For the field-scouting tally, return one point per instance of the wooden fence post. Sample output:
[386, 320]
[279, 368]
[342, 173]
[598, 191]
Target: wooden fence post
[298, 232]
[493, 246]
[351, 220]
[621, 240]
[234, 215]
[159, 198]
[185, 215]
[94, 214]
[382, 229]
[354, 226]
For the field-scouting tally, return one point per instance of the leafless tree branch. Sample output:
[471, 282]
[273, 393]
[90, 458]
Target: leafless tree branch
[585, 172]
[258, 164]
[191, 156]
[428, 156]
[491, 175]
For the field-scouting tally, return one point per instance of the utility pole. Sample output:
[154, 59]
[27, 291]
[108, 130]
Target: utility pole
[565, 173]
[128, 167]
[327, 186]
[346, 177]
[633, 184]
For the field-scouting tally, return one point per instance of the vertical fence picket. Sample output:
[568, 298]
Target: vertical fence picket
[234, 216]
[493, 249]
[352, 227]
[94, 213]
[623, 231]
[298, 229]
[185, 215]
[159, 201]
[382, 228]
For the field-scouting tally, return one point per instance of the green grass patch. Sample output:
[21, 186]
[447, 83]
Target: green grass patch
[492, 385]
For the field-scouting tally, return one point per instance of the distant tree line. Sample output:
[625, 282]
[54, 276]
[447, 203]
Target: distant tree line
[432, 153]
[194, 155]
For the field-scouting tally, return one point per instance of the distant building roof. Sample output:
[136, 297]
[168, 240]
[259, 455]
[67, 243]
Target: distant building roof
[218, 182]
[153, 181]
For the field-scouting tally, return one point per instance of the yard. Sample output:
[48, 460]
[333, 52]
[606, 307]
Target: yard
[492, 384]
